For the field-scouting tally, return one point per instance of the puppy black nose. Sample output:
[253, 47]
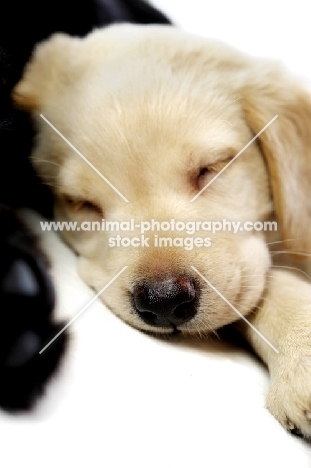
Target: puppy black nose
[165, 303]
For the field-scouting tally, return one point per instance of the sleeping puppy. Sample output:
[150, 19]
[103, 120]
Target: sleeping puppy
[159, 114]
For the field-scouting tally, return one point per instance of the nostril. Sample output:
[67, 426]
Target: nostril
[148, 317]
[185, 311]
[155, 320]
[142, 299]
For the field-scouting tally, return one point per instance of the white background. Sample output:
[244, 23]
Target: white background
[123, 399]
[269, 28]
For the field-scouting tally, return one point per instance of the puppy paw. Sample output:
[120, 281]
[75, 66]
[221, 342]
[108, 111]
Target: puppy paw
[289, 397]
[26, 317]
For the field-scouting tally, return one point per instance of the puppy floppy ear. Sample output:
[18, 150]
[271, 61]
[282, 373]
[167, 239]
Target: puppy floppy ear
[286, 145]
[47, 70]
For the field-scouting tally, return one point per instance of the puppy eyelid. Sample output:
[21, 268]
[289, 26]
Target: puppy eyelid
[79, 204]
[206, 173]
[219, 164]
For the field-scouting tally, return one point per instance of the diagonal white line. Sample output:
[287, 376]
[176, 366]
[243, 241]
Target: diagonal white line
[84, 158]
[235, 310]
[232, 160]
[84, 308]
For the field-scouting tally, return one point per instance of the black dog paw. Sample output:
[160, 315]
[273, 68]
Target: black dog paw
[26, 321]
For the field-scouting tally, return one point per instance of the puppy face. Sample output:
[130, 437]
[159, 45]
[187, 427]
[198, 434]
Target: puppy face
[158, 114]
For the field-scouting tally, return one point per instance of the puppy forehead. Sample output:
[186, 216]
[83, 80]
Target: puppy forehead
[131, 141]
[136, 110]
[148, 124]
[139, 142]
[149, 73]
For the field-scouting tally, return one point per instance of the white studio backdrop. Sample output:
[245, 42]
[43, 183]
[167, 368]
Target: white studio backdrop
[269, 28]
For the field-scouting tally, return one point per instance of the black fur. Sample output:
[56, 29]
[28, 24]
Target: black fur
[26, 291]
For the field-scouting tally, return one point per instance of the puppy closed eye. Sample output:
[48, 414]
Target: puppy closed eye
[80, 205]
[206, 174]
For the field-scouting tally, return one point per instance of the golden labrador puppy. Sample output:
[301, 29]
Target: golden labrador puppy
[158, 114]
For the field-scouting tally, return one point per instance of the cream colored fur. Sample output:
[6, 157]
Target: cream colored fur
[150, 107]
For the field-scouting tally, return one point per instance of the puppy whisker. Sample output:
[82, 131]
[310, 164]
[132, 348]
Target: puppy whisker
[290, 252]
[284, 241]
[292, 268]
